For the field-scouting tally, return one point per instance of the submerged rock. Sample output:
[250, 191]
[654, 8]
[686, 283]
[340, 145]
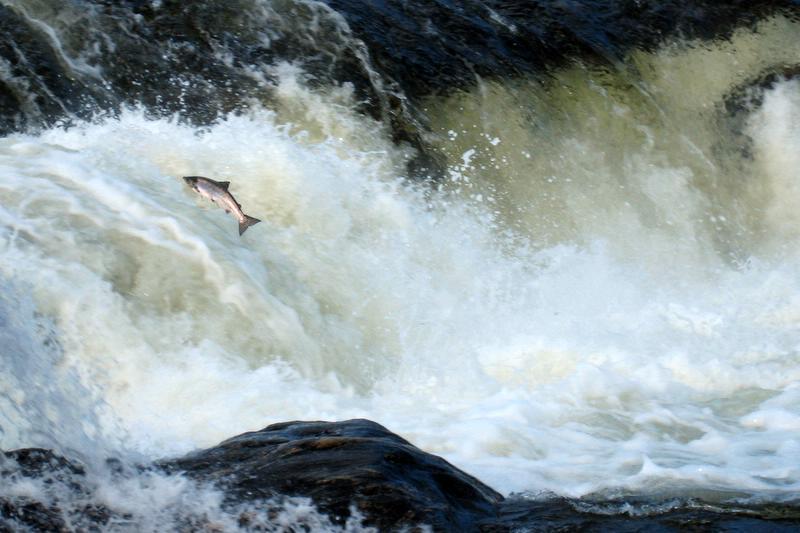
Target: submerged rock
[641, 515]
[339, 465]
[33, 508]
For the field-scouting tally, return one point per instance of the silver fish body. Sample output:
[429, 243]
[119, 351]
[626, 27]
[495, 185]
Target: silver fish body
[217, 192]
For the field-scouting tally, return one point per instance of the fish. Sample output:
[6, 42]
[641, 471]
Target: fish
[217, 192]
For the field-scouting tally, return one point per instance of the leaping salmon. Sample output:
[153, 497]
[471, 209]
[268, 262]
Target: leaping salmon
[217, 192]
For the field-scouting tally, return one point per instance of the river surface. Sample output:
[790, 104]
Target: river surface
[577, 276]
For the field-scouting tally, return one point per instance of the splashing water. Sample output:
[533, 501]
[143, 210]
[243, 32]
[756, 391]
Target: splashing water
[559, 315]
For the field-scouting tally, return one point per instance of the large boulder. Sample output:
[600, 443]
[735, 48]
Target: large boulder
[356, 466]
[342, 465]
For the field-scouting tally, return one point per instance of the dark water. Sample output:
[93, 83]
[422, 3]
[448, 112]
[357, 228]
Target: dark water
[71, 60]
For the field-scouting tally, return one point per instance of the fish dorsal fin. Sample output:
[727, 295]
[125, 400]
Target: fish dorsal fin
[223, 184]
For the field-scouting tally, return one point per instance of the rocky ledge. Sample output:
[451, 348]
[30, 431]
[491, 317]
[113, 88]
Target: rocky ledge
[358, 466]
[338, 465]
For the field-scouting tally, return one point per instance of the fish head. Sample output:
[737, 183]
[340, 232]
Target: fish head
[191, 180]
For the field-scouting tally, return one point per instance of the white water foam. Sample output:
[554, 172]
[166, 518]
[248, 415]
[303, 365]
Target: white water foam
[150, 501]
[576, 366]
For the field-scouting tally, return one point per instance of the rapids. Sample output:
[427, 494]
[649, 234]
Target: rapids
[599, 297]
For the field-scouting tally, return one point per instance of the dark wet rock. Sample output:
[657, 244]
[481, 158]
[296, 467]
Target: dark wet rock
[39, 462]
[749, 95]
[342, 464]
[46, 514]
[356, 464]
[110, 56]
[737, 106]
[22, 512]
[630, 516]
[36, 86]
[432, 46]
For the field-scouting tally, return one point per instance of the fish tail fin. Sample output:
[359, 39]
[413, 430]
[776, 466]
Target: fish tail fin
[247, 222]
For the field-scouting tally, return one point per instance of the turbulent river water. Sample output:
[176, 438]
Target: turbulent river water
[589, 286]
